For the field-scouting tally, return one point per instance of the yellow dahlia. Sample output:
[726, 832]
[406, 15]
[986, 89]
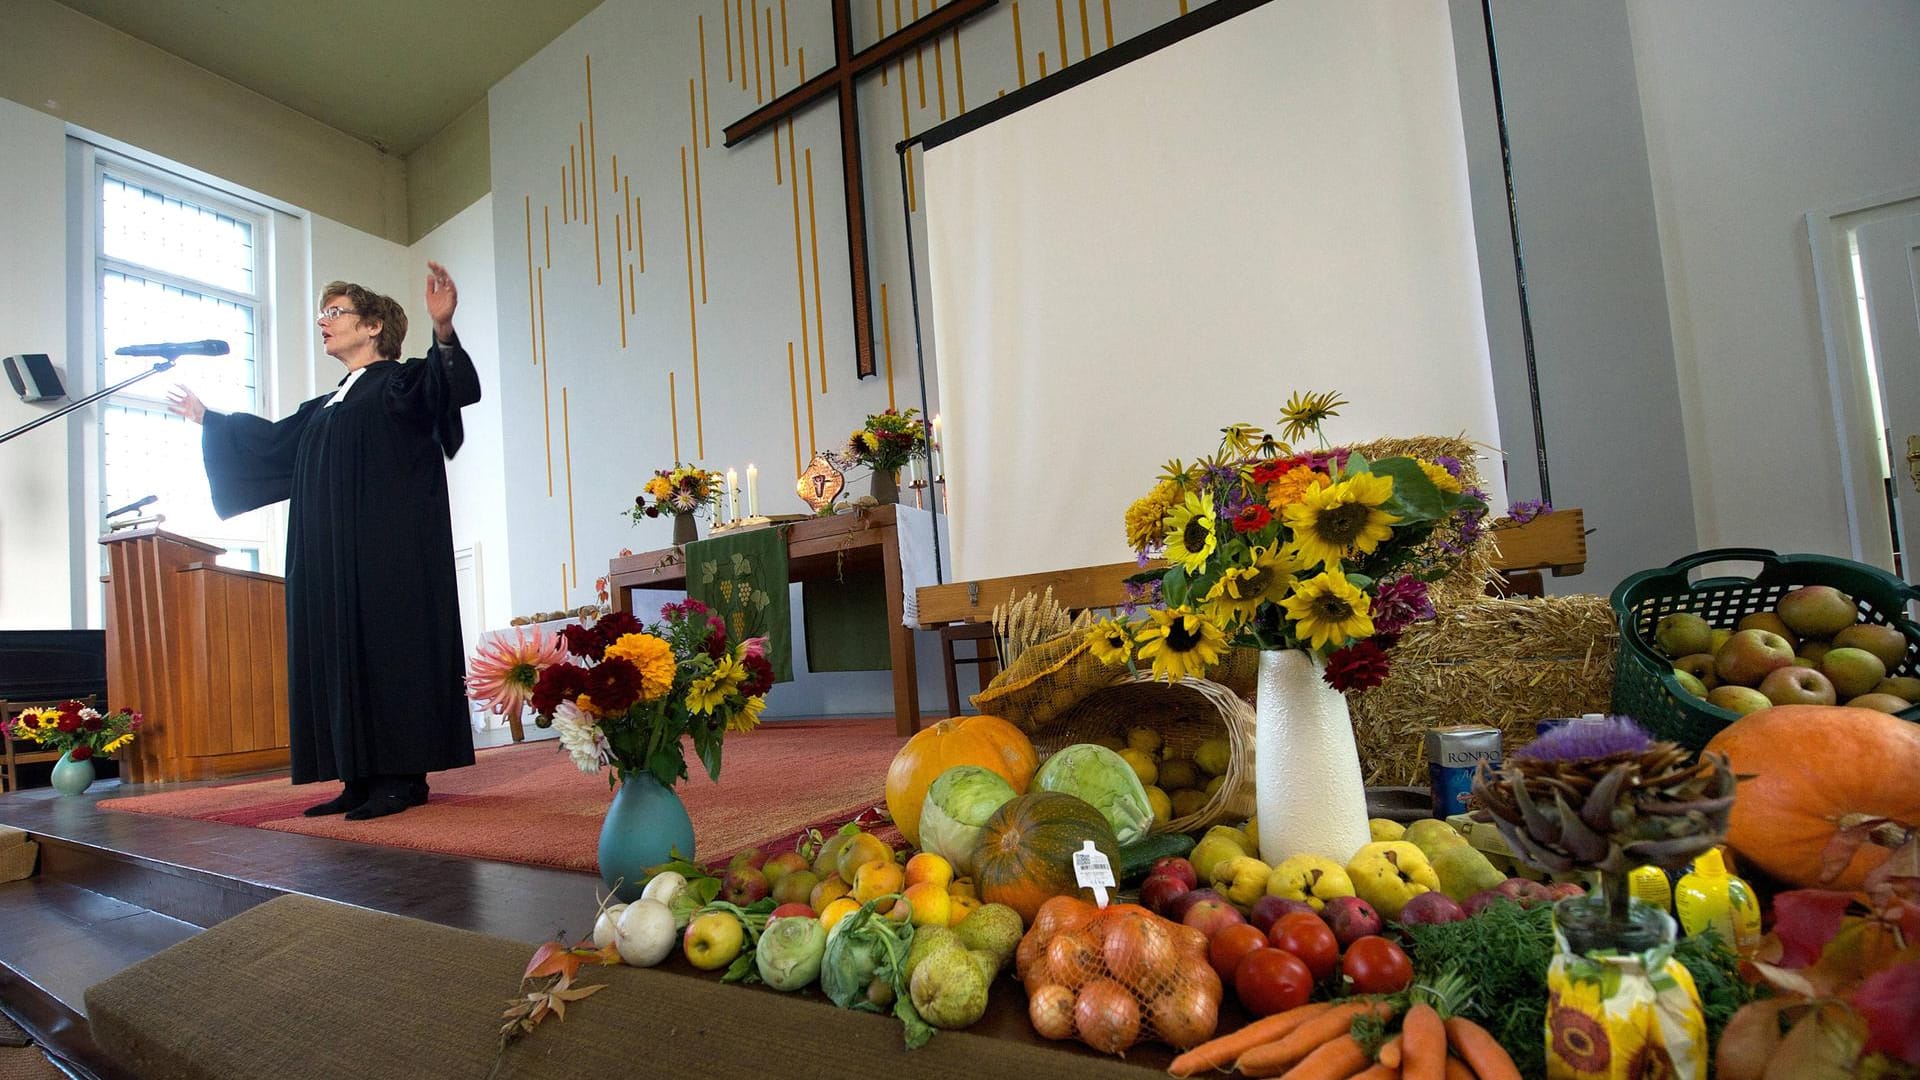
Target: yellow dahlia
[659, 488]
[1147, 517]
[1192, 533]
[1328, 609]
[1179, 642]
[1330, 522]
[652, 657]
[1441, 478]
[1111, 641]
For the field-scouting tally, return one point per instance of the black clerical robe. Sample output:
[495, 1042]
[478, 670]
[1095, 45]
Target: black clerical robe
[374, 656]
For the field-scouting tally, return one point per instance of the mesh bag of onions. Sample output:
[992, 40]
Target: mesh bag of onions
[1113, 976]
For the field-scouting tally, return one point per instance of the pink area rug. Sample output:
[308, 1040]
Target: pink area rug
[529, 804]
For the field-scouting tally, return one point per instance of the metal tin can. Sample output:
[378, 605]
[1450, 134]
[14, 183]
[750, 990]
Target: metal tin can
[1452, 755]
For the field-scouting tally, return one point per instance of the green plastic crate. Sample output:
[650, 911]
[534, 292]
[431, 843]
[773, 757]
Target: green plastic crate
[1643, 683]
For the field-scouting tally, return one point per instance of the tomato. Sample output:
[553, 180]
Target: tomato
[1308, 937]
[1377, 966]
[1232, 945]
[1271, 981]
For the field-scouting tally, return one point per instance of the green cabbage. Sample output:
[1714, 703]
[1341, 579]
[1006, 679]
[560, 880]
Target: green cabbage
[958, 804]
[1097, 775]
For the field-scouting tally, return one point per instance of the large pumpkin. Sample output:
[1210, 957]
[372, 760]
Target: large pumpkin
[1815, 770]
[986, 741]
[1025, 857]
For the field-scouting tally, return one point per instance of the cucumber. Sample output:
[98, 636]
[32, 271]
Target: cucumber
[1137, 857]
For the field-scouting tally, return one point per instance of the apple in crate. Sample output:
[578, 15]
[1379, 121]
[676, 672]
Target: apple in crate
[1796, 685]
[1883, 641]
[1817, 611]
[1738, 700]
[1748, 656]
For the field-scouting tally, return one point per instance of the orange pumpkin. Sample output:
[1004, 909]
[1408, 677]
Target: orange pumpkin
[1815, 770]
[1025, 857]
[986, 741]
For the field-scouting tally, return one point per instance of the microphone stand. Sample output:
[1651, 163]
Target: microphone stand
[88, 400]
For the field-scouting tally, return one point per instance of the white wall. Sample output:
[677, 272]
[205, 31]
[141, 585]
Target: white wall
[1758, 111]
[35, 575]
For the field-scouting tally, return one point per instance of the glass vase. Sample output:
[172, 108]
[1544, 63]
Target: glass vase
[1306, 766]
[646, 825]
[72, 777]
[685, 530]
[1618, 1003]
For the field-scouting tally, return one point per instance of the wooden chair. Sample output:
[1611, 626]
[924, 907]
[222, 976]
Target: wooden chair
[10, 758]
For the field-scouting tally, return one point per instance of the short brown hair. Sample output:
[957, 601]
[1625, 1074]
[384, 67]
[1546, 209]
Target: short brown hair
[371, 305]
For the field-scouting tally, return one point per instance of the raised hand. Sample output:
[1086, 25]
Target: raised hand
[184, 403]
[442, 298]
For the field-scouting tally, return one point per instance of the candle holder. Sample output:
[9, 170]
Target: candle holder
[917, 487]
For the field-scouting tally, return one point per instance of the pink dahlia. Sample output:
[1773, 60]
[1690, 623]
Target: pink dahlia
[503, 672]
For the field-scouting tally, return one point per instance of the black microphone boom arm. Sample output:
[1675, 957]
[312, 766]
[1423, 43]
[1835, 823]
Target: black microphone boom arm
[85, 401]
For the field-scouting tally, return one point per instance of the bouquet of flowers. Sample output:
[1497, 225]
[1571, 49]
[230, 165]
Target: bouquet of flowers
[888, 441]
[76, 730]
[623, 695]
[684, 489]
[1278, 549]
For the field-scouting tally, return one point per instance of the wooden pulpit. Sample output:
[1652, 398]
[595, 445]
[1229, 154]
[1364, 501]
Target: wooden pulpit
[201, 650]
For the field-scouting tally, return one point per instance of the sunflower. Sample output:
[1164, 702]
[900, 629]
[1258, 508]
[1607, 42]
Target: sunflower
[1180, 642]
[652, 657]
[114, 745]
[1329, 610]
[1441, 478]
[748, 717]
[1111, 641]
[1288, 488]
[1329, 522]
[1192, 533]
[1242, 589]
[705, 694]
[1304, 413]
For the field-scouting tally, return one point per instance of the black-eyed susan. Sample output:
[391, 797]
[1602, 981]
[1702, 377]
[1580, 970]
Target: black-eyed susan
[1110, 641]
[1192, 533]
[1242, 589]
[1304, 413]
[1179, 642]
[1329, 610]
[1329, 523]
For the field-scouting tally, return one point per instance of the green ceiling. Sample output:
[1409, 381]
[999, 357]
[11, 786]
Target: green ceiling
[392, 72]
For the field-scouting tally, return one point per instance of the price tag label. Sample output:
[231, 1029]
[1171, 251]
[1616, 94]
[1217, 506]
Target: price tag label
[1092, 870]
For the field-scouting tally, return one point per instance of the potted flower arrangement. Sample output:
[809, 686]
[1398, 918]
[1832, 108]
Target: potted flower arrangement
[80, 733]
[623, 698]
[885, 444]
[679, 492]
[1315, 558]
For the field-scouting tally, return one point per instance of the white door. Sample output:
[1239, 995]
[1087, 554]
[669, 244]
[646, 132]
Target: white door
[1889, 267]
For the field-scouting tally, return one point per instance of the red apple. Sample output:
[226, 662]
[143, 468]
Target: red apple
[1794, 685]
[1176, 867]
[1817, 611]
[1771, 623]
[1748, 656]
[797, 910]
[752, 856]
[1212, 916]
[1159, 891]
[783, 864]
[1177, 907]
[745, 884]
[1351, 919]
[1701, 666]
[1268, 909]
[795, 888]
[1429, 908]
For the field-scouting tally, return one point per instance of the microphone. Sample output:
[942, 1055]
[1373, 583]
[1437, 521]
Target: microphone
[174, 349]
[132, 506]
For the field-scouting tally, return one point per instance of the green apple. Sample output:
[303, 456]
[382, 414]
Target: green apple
[1738, 700]
[713, 940]
[1900, 686]
[1770, 622]
[1883, 641]
[1817, 611]
[1749, 654]
[1795, 685]
[1885, 703]
[1721, 635]
[1812, 652]
[1690, 684]
[783, 864]
[1682, 633]
[1853, 671]
[1701, 667]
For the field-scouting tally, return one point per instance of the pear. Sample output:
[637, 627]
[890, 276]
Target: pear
[1464, 871]
[948, 988]
[1432, 836]
[994, 928]
[926, 941]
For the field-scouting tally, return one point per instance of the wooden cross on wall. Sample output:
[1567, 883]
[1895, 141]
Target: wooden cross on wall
[838, 81]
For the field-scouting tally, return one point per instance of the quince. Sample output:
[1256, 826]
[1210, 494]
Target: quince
[1212, 850]
[1252, 829]
[1315, 879]
[1213, 755]
[1388, 873]
[1242, 879]
[1383, 829]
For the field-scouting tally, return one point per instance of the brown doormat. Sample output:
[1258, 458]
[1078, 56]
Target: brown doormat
[12, 1034]
[27, 1063]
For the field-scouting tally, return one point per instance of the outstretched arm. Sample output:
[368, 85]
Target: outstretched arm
[442, 299]
[186, 404]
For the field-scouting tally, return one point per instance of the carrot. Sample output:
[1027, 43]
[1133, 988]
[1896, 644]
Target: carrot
[1336, 1059]
[1457, 1070]
[1488, 1059]
[1423, 1039]
[1220, 1052]
[1378, 1072]
[1276, 1057]
[1390, 1053]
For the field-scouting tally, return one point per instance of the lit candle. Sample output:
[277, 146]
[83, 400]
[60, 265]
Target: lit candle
[753, 490]
[733, 494]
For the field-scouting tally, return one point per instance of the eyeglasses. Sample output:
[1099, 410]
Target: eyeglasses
[332, 313]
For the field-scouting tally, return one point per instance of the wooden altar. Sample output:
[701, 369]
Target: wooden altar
[201, 650]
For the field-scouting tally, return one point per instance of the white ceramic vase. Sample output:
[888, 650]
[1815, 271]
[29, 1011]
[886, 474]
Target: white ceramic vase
[1306, 767]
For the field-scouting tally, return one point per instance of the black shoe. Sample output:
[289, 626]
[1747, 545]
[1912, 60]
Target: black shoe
[417, 793]
[350, 797]
[379, 806]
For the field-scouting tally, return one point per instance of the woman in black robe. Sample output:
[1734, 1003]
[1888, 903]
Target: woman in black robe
[374, 655]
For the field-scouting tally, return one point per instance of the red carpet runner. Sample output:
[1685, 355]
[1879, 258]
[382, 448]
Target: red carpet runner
[529, 804]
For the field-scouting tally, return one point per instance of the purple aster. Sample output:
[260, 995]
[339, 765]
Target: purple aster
[1141, 593]
[1399, 603]
[1526, 510]
[1451, 464]
[1585, 740]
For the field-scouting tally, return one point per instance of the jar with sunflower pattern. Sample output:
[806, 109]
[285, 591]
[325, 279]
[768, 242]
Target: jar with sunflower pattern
[1615, 1013]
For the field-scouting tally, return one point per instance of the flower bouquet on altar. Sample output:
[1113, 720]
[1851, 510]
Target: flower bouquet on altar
[1314, 557]
[79, 733]
[885, 444]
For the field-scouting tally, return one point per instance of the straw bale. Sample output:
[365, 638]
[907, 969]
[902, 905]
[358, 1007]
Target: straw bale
[1506, 663]
[1467, 581]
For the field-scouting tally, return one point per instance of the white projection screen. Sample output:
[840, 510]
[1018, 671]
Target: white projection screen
[1278, 202]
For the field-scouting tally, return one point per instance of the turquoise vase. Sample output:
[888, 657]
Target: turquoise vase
[645, 826]
[72, 777]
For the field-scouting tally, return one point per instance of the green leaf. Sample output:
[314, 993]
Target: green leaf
[1414, 496]
[710, 756]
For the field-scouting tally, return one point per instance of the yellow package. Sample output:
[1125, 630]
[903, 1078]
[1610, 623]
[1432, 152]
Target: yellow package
[1620, 1016]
